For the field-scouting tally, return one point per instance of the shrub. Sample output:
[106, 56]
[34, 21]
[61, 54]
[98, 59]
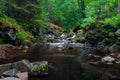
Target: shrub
[114, 21]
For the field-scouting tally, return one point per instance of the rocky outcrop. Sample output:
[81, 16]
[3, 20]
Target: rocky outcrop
[39, 68]
[22, 76]
[80, 36]
[56, 30]
[25, 65]
[10, 78]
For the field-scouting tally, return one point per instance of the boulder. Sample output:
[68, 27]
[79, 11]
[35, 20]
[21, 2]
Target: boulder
[39, 68]
[22, 76]
[55, 29]
[11, 72]
[117, 33]
[70, 33]
[5, 67]
[111, 34]
[118, 38]
[108, 59]
[114, 47]
[10, 78]
[24, 66]
[80, 35]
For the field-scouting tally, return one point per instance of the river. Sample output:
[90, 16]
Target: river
[64, 63]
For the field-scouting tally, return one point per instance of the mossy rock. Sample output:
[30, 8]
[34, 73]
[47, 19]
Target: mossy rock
[57, 30]
[70, 34]
[39, 67]
[50, 40]
[80, 35]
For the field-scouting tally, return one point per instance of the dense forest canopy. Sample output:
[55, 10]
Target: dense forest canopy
[68, 14]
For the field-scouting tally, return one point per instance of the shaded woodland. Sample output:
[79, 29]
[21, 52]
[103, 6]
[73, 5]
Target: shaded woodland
[78, 39]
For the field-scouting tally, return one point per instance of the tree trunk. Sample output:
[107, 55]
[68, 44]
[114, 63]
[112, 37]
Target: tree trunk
[78, 1]
[83, 8]
[118, 6]
[108, 8]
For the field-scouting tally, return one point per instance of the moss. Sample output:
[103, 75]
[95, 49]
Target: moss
[1, 40]
[41, 69]
[114, 21]
[22, 34]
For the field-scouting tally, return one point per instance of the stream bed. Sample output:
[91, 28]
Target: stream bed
[64, 63]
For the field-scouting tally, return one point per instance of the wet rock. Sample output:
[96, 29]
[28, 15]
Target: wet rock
[11, 72]
[22, 76]
[26, 47]
[74, 36]
[118, 62]
[10, 78]
[27, 43]
[75, 45]
[80, 36]
[117, 33]
[55, 29]
[119, 38]
[118, 56]
[63, 35]
[20, 65]
[24, 65]
[70, 34]
[111, 34]
[113, 55]
[24, 51]
[5, 67]
[108, 59]
[114, 47]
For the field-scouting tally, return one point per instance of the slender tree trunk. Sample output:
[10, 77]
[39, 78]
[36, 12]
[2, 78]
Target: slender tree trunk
[78, 1]
[83, 7]
[108, 8]
[118, 6]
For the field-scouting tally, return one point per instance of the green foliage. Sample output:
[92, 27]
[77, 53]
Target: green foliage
[65, 13]
[108, 41]
[21, 35]
[88, 21]
[23, 12]
[1, 40]
[8, 21]
[114, 21]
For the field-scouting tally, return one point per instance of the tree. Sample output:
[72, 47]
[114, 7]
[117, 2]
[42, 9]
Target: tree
[23, 11]
[83, 8]
[118, 6]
